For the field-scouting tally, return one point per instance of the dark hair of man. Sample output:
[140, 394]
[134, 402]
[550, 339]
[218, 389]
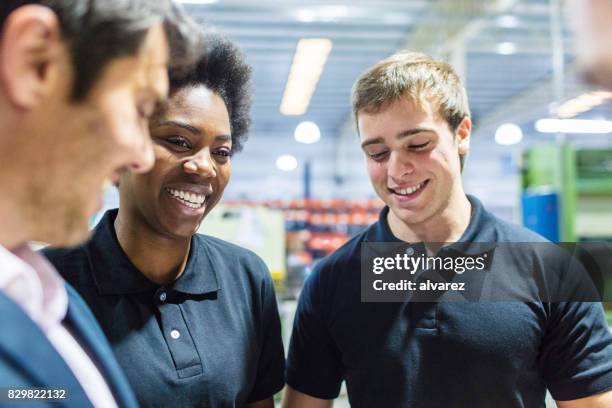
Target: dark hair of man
[99, 31]
[222, 69]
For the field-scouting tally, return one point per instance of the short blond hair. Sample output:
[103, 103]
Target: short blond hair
[416, 76]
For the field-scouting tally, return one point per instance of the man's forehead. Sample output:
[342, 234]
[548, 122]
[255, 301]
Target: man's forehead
[155, 51]
[153, 58]
[402, 110]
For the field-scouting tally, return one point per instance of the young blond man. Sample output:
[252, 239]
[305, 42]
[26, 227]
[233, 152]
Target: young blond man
[414, 126]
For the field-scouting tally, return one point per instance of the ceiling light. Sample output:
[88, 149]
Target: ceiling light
[507, 21]
[573, 126]
[308, 62]
[306, 15]
[583, 103]
[322, 13]
[286, 162]
[506, 48]
[307, 132]
[333, 13]
[198, 1]
[508, 134]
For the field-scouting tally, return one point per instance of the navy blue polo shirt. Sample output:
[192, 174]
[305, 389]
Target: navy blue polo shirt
[443, 354]
[210, 339]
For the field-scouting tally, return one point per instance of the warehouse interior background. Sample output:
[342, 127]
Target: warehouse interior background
[504, 49]
[541, 149]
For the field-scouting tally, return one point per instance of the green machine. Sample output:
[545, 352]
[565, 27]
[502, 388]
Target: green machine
[569, 190]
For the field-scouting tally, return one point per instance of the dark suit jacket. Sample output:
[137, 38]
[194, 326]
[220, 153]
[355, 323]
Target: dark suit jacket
[28, 359]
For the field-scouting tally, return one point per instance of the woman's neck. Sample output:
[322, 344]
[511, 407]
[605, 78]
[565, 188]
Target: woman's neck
[160, 258]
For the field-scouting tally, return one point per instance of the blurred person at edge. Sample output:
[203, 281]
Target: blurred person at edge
[78, 82]
[192, 319]
[592, 23]
[414, 127]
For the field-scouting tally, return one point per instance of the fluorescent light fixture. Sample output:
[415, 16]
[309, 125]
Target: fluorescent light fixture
[508, 134]
[286, 162]
[507, 21]
[583, 103]
[506, 48]
[308, 62]
[307, 132]
[322, 13]
[306, 15]
[198, 1]
[573, 126]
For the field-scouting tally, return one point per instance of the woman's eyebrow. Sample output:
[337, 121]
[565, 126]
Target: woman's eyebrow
[182, 125]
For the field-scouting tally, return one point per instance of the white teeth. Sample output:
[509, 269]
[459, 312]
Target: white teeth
[409, 190]
[191, 200]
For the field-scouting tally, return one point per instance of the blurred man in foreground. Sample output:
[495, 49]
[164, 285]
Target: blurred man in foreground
[78, 82]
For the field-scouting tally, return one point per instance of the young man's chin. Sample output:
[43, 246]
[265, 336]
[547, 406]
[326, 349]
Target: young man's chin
[408, 217]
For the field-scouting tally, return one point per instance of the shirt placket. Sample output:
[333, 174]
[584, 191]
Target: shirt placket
[174, 329]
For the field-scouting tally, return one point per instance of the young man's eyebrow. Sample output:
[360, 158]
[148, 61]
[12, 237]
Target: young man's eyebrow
[400, 135]
[411, 132]
[375, 140]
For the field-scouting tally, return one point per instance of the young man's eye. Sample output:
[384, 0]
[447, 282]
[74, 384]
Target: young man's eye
[419, 146]
[378, 156]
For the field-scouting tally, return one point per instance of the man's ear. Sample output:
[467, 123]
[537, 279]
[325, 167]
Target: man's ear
[29, 48]
[463, 133]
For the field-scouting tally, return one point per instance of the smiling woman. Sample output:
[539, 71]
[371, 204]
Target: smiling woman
[192, 319]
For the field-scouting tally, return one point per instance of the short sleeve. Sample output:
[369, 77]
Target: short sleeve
[314, 365]
[271, 365]
[576, 354]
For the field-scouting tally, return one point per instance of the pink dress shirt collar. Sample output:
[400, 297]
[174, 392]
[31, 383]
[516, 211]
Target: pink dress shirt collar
[32, 282]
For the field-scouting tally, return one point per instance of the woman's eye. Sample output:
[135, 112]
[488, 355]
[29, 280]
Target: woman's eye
[178, 141]
[224, 153]
[419, 146]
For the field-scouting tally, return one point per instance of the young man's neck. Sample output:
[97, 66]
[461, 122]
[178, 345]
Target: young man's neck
[161, 259]
[446, 226]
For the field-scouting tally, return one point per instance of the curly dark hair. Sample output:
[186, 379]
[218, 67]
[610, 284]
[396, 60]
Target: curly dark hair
[222, 69]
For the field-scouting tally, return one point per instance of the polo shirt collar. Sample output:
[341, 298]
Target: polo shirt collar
[114, 273]
[479, 229]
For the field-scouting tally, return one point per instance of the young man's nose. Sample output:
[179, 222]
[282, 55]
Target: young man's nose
[399, 166]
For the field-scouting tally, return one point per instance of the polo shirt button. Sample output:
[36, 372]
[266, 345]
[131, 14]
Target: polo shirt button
[162, 297]
[175, 334]
[410, 251]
